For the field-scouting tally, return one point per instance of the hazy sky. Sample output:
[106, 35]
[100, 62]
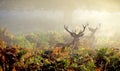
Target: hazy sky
[109, 5]
[43, 15]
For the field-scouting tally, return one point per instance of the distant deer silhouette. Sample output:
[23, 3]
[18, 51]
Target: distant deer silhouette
[91, 37]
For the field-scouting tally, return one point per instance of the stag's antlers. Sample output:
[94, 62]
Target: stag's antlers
[84, 27]
[93, 30]
[66, 28]
[73, 34]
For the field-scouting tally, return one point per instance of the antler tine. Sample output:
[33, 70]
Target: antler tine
[66, 28]
[84, 27]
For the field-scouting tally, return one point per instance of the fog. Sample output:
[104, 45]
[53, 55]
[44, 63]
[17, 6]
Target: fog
[25, 16]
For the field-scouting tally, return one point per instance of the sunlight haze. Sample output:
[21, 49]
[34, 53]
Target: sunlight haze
[47, 15]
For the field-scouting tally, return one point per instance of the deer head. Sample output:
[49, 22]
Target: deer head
[74, 34]
[93, 30]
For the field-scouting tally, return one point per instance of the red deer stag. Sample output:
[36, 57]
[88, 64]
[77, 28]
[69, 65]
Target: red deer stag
[76, 37]
[91, 38]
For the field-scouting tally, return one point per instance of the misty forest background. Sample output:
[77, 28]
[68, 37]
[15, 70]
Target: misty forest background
[35, 15]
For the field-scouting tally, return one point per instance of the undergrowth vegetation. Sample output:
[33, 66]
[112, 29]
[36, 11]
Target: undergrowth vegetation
[32, 53]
